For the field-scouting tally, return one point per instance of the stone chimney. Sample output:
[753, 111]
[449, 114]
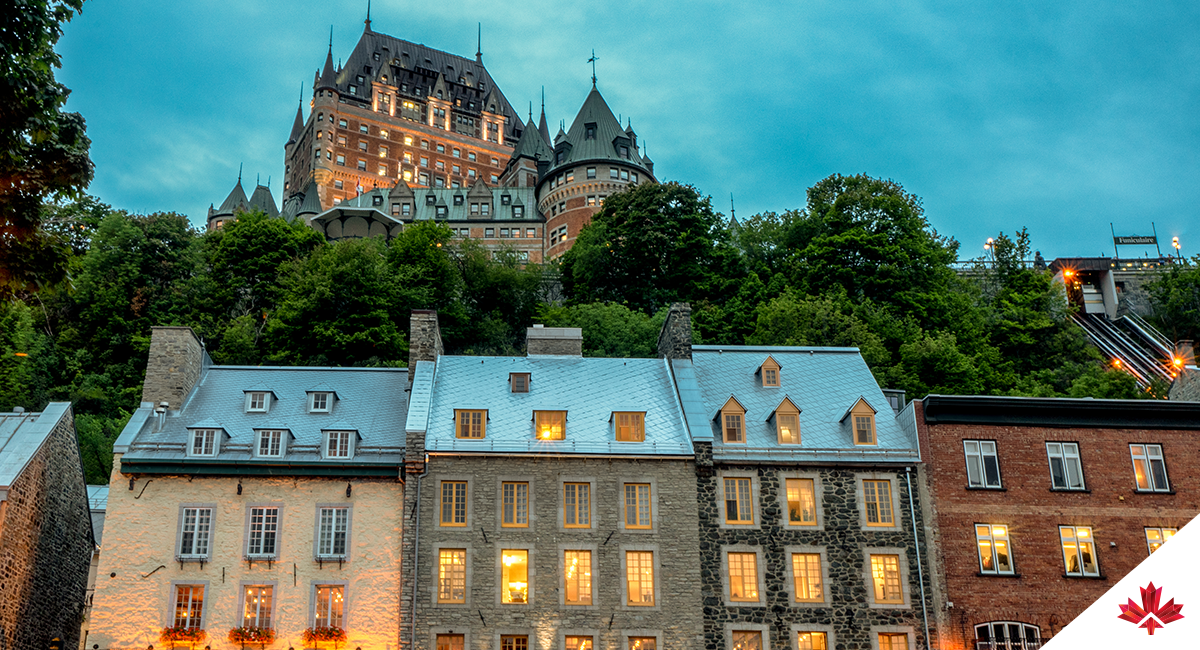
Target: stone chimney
[177, 359]
[424, 338]
[556, 341]
[675, 339]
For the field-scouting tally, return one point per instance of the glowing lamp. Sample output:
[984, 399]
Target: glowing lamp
[1068, 273]
[998, 531]
[1178, 362]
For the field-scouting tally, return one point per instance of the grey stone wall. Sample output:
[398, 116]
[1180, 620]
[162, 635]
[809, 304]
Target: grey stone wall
[45, 547]
[424, 337]
[675, 338]
[560, 341]
[676, 619]
[1133, 296]
[174, 365]
[841, 537]
[1187, 387]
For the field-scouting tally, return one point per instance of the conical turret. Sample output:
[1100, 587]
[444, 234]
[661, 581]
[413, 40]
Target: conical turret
[298, 125]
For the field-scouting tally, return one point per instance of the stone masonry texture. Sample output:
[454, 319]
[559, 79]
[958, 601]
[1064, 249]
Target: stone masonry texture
[1187, 387]
[45, 547]
[1040, 594]
[675, 338]
[176, 359]
[676, 619]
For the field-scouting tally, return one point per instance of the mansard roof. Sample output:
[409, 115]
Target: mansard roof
[261, 199]
[604, 144]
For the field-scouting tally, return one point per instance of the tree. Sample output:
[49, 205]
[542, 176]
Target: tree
[1175, 297]
[43, 151]
[499, 297]
[609, 329]
[794, 319]
[651, 245]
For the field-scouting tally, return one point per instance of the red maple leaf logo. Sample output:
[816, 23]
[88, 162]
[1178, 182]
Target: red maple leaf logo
[1150, 615]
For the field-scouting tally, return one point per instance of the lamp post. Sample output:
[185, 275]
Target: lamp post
[1175, 243]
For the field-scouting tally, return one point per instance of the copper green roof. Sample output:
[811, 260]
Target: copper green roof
[596, 135]
[235, 201]
[261, 199]
[298, 125]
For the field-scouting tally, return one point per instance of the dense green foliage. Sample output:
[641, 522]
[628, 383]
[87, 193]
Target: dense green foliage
[858, 265]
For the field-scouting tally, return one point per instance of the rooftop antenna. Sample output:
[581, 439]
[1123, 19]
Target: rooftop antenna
[331, 39]
[593, 62]
[257, 179]
[732, 210]
[478, 43]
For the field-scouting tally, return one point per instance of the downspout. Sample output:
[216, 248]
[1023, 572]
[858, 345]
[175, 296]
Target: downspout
[412, 615]
[916, 540]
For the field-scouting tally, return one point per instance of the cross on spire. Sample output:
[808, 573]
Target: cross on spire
[593, 62]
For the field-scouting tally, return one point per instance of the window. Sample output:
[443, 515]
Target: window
[877, 496]
[362, 145]
[529, 232]
[337, 185]
[337, 444]
[514, 642]
[1156, 537]
[441, 210]
[633, 177]
[733, 422]
[441, 148]
[341, 124]
[195, 533]
[812, 641]
[495, 162]
[204, 442]
[257, 402]
[405, 208]
[1065, 470]
[1079, 551]
[264, 532]
[995, 557]
[885, 574]
[454, 503]
[457, 171]
[270, 443]
[637, 505]
[332, 526]
[382, 171]
[329, 602]
[470, 424]
[983, 467]
[362, 165]
[1148, 468]
[549, 425]
[639, 578]
[341, 140]
[257, 609]
[189, 606]
[577, 505]
[1007, 635]
[449, 642]
[578, 643]
[631, 427]
[591, 172]
[577, 574]
[485, 208]
[452, 575]
[319, 403]
[743, 577]
[787, 423]
[893, 641]
[613, 172]
[769, 371]
[514, 576]
[341, 160]
[591, 200]
[362, 128]
[643, 643]
[489, 232]
[471, 156]
[806, 576]
[515, 502]
[801, 501]
[738, 506]
[747, 640]
[864, 429]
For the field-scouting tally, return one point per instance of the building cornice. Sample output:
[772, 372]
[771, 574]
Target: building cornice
[1061, 412]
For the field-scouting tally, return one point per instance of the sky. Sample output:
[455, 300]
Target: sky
[1063, 117]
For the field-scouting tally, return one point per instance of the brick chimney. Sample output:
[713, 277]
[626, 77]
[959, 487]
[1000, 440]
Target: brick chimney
[177, 359]
[556, 341]
[675, 339]
[424, 338]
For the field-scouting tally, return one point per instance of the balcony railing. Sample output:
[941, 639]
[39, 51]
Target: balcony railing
[981, 644]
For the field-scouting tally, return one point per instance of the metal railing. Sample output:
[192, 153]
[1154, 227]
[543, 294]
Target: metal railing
[559, 446]
[992, 644]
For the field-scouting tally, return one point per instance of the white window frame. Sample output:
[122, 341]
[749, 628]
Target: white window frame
[994, 532]
[195, 532]
[1065, 453]
[270, 609]
[250, 400]
[977, 453]
[313, 612]
[174, 604]
[1091, 540]
[1148, 455]
[326, 543]
[312, 401]
[1163, 536]
[256, 552]
[261, 438]
[214, 443]
[328, 440]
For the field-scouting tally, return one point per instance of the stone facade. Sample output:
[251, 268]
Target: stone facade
[675, 619]
[675, 338]
[1187, 387]
[554, 341]
[45, 542]
[424, 338]
[176, 360]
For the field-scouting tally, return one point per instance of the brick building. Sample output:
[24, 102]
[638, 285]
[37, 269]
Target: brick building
[1039, 506]
[45, 530]
[554, 501]
[253, 497]
[808, 537]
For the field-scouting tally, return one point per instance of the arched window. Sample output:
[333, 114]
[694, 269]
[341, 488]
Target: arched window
[1007, 635]
[320, 117]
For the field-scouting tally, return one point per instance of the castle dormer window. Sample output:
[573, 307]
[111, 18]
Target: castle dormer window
[624, 151]
[589, 131]
[550, 425]
[630, 426]
[204, 442]
[320, 402]
[258, 401]
[862, 422]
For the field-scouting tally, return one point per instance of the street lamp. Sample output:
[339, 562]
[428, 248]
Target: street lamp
[1175, 243]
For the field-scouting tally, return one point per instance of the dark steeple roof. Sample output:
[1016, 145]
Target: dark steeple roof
[327, 79]
[532, 146]
[235, 201]
[312, 202]
[542, 128]
[298, 125]
[261, 199]
[596, 135]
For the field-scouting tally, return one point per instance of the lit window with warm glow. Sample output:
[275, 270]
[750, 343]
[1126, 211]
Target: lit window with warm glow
[892, 641]
[470, 424]
[801, 501]
[743, 577]
[739, 508]
[329, 603]
[637, 505]
[812, 641]
[577, 575]
[454, 503]
[514, 576]
[257, 610]
[639, 578]
[787, 426]
[631, 427]
[452, 575]
[577, 505]
[747, 640]
[515, 503]
[885, 576]
[450, 642]
[995, 556]
[806, 577]
[1149, 469]
[550, 425]
[877, 497]
[643, 643]
[579, 643]
[1156, 537]
[189, 606]
[1079, 551]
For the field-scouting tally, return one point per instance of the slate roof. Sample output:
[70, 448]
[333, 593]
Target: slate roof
[298, 125]
[588, 389]
[21, 436]
[97, 504]
[262, 200]
[444, 196]
[532, 146]
[822, 382]
[235, 201]
[371, 401]
[605, 145]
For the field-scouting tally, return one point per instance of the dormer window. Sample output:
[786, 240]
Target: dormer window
[769, 372]
[550, 425]
[320, 402]
[589, 131]
[862, 422]
[733, 422]
[338, 444]
[518, 382]
[204, 442]
[270, 443]
[258, 401]
[470, 424]
[631, 427]
[787, 422]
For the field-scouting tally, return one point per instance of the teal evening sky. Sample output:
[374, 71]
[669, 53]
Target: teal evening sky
[1060, 116]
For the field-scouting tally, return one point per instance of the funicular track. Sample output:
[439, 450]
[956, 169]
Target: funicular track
[1135, 346]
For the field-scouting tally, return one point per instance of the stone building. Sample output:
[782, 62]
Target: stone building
[809, 538]
[553, 498]
[1039, 506]
[45, 531]
[260, 497]
[97, 504]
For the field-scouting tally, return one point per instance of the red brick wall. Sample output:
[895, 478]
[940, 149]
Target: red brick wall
[1041, 595]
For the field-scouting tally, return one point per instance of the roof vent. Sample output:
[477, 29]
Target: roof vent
[18, 409]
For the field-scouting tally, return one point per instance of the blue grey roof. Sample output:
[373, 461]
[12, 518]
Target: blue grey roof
[444, 196]
[21, 436]
[588, 389]
[97, 504]
[371, 401]
[822, 382]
